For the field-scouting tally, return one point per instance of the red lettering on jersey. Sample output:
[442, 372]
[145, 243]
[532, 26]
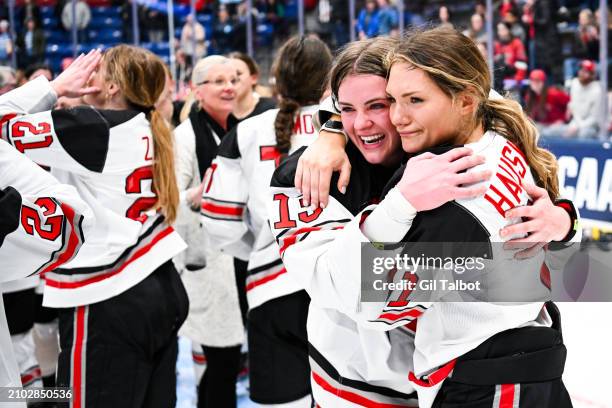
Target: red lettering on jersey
[133, 185]
[308, 127]
[297, 128]
[270, 153]
[19, 128]
[5, 119]
[31, 221]
[305, 217]
[284, 220]
[511, 186]
[517, 161]
[511, 171]
[303, 125]
[148, 156]
[501, 203]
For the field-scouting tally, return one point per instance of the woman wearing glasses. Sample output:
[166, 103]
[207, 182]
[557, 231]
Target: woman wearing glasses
[214, 323]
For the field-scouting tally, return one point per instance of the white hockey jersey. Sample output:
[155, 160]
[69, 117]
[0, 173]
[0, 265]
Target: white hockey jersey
[323, 253]
[352, 365]
[42, 226]
[108, 157]
[235, 197]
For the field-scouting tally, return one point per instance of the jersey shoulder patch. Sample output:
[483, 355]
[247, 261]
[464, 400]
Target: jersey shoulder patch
[83, 132]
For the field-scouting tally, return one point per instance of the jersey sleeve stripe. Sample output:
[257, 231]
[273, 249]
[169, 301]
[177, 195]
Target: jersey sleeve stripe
[73, 239]
[234, 210]
[137, 254]
[434, 378]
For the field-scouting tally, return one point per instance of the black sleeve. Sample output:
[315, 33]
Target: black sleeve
[10, 208]
[83, 133]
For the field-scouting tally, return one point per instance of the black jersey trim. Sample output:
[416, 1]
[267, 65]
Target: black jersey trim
[10, 209]
[358, 385]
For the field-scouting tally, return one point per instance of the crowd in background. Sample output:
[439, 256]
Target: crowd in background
[546, 52]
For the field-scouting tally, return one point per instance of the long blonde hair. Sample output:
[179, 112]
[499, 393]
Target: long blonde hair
[141, 76]
[454, 63]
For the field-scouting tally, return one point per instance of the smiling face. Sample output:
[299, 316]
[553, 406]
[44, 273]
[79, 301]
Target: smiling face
[217, 92]
[422, 113]
[364, 109]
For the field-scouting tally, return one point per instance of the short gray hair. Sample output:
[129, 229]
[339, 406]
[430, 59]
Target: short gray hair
[200, 71]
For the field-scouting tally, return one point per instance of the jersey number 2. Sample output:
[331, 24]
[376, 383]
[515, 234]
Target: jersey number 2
[133, 185]
[52, 227]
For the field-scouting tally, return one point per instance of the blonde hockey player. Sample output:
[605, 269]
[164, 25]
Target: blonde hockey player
[117, 347]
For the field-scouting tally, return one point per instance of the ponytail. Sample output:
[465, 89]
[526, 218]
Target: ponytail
[506, 117]
[164, 178]
[284, 123]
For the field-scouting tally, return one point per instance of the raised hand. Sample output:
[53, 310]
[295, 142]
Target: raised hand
[72, 82]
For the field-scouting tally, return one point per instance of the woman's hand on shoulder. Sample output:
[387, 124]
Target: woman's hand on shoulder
[542, 223]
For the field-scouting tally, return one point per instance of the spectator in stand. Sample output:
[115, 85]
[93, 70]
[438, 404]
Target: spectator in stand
[274, 10]
[586, 44]
[388, 18]
[507, 6]
[155, 22]
[367, 23]
[510, 55]
[193, 41]
[527, 20]
[444, 17]
[223, 31]
[83, 17]
[31, 45]
[481, 9]
[339, 17]
[36, 70]
[584, 107]
[126, 16]
[477, 31]
[547, 45]
[587, 36]
[28, 11]
[516, 28]
[545, 105]
[6, 44]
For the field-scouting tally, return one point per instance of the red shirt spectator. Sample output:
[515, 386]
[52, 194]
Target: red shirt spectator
[510, 52]
[545, 105]
[506, 6]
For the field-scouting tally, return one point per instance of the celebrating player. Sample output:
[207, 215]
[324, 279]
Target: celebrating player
[42, 226]
[307, 246]
[118, 347]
